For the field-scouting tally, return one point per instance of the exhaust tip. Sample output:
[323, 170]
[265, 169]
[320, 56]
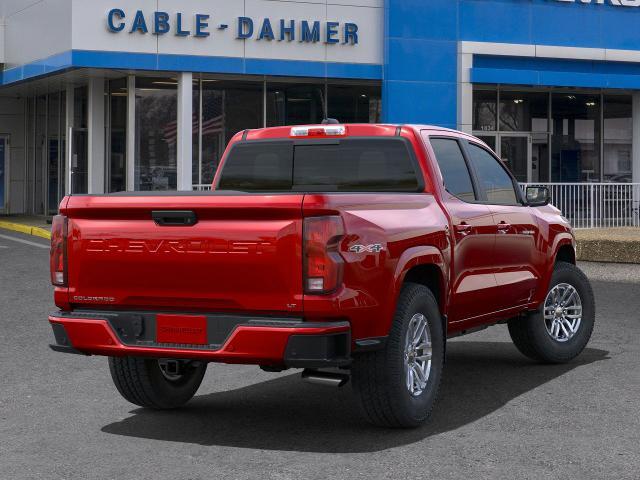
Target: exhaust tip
[327, 379]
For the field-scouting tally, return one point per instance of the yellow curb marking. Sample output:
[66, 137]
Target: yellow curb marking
[26, 229]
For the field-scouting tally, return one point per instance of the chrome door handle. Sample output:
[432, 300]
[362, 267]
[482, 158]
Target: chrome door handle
[503, 227]
[464, 229]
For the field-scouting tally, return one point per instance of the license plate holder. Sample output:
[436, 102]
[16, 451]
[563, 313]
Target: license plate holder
[181, 329]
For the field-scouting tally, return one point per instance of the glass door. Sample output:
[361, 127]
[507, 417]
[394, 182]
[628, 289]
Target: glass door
[515, 152]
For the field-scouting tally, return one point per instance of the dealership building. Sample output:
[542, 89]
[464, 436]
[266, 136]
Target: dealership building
[105, 95]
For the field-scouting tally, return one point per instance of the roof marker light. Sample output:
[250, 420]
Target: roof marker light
[319, 131]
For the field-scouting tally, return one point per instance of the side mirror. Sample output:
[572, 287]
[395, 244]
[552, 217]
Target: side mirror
[538, 196]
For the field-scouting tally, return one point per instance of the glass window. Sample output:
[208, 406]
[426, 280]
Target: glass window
[484, 110]
[618, 138]
[453, 167]
[80, 142]
[493, 177]
[156, 134]
[227, 108]
[117, 153]
[524, 111]
[351, 165]
[295, 104]
[540, 157]
[41, 154]
[258, 167]
[514, 153]
[80, 107]
[575, 150]
[355, 165]
[53, 153]
[354, 103]
[490, 140]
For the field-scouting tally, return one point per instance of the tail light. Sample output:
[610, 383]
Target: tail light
[319, 131]
[323, 265]
[58, 258]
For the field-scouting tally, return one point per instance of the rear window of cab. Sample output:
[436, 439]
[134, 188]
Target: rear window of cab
[346, 165]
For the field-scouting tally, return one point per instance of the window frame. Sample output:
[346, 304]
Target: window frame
[474, 183]
[476, 178]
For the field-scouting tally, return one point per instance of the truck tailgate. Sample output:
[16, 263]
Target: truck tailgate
[244, 253]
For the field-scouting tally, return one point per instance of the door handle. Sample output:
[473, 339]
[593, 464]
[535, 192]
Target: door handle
[464, 228]
[173, 218]
[503, 227]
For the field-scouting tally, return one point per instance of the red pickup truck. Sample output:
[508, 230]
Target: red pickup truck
[350, 251]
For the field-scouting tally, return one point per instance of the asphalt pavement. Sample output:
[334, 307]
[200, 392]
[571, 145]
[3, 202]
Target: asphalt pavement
[499, 415]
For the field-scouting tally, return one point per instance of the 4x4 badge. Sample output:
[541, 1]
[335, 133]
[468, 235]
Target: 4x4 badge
[375, 248]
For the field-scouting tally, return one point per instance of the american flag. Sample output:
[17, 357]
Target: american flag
[212, 126]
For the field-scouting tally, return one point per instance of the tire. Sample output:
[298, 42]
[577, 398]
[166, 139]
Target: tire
[142, 382]
[380, 379]
[534, 336]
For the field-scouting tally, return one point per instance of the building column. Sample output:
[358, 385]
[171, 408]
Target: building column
[185, 131]
[69, 114]
[96, 134]
[465, 91]
[131, 133]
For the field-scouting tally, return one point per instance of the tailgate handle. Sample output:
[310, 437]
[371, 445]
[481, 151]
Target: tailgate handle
[174, 218]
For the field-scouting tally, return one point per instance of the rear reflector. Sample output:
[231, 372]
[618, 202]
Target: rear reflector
[58, 256]
[323, 264]
[319, 131]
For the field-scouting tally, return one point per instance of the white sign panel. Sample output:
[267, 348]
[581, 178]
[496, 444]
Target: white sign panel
[253, 29]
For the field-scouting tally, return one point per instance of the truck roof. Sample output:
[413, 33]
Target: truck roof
[350, 130]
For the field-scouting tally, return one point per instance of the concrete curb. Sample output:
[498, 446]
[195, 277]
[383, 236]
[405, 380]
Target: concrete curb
[613, 245]
[26, 229]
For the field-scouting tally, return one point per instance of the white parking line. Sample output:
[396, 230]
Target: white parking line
[26, 242]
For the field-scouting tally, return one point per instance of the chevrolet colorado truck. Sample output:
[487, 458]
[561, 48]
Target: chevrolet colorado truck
[350, 251]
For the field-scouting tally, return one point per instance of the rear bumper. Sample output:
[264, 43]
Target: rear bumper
[254, 340]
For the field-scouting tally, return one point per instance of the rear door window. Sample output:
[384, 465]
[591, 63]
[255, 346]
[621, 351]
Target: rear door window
[349, 165]
[454, 169]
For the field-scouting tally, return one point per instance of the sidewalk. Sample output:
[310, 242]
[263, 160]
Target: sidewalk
[30, 225]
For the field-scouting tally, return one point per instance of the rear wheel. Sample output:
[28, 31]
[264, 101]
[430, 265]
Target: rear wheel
[562, 328]
[159, 384]
[397, 386]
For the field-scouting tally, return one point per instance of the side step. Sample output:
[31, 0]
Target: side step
[328, 379]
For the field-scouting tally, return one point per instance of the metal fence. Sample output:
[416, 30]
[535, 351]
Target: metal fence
[586, 205]
[596, 205]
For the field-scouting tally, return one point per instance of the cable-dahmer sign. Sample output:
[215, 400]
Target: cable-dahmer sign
[201, 25]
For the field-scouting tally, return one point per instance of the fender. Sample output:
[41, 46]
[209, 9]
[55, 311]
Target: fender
[560, 240]
[413, 257]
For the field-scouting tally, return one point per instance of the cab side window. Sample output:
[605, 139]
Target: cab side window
[455, 173]
[492, 176]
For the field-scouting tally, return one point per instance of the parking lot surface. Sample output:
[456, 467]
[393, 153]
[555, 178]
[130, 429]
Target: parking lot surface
[499, 415]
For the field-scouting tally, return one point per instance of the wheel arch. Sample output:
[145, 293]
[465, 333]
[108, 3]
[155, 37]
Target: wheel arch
[425, 266]
[563, 249]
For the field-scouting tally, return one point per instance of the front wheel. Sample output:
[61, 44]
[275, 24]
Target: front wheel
[159, 384]
[397, 386]
[562, 328]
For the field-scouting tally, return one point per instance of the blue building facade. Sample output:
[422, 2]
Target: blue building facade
[140, 95]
